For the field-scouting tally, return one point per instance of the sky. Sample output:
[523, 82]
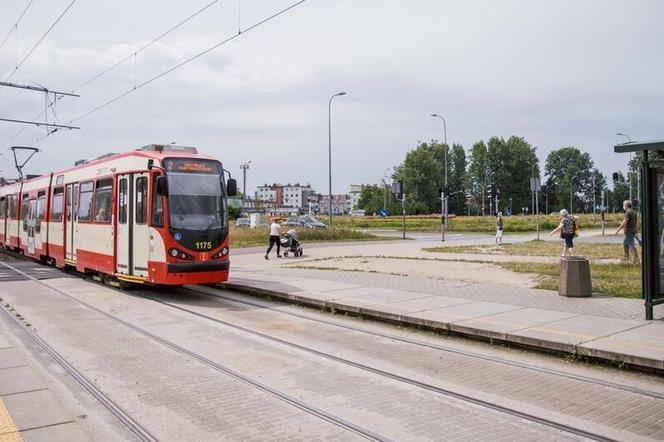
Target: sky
[563, 73]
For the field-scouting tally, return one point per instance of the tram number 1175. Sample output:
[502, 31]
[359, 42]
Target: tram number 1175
[203, 245]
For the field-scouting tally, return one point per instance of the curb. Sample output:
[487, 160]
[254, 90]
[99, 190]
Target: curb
[568, 350]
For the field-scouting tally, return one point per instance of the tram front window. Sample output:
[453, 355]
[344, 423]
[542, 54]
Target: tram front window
[195, 201]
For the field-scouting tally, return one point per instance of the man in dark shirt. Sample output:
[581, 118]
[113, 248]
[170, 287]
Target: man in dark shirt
[629, 227]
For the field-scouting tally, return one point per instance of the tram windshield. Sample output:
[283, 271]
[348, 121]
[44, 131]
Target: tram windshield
[195, 199]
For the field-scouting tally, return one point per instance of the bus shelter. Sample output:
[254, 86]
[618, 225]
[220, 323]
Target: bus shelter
[652, 219]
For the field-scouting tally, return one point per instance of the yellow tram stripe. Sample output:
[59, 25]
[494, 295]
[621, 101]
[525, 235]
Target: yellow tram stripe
[131, 278]
[9, 432]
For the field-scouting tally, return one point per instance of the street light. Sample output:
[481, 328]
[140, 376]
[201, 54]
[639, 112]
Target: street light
[244, 168]
[629, 174]
[444, 196]
[385, 189]
[329, 125]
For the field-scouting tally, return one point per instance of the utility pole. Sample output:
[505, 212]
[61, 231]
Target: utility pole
[244, 168]
[594, 204]
[442, 213]
[602, 213]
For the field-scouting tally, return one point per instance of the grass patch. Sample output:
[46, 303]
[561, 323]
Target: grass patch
[621, 280]
[537, 248]
[431, 223]
[245, 237]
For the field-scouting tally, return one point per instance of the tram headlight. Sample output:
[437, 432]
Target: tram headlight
[175, 253]
[220, 253]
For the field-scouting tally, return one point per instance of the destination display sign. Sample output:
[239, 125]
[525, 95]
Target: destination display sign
[184, 165]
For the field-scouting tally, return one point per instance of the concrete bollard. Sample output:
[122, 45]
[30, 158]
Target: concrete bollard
[574, 281]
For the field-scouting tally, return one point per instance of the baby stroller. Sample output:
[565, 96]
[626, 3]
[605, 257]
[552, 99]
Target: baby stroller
[290, 243]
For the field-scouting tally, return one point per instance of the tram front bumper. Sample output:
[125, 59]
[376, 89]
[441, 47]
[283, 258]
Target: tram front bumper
[180, 273]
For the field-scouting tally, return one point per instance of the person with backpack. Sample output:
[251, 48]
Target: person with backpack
[567, 229]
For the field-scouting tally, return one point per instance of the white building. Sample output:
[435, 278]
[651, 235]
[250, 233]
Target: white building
[355, 192]
[292, 196]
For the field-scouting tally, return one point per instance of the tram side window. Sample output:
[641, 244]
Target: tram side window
[41, 210]
[3, 208]
[103, 201]
[122, 202]
[85, 201]
[12, 206]
[56, 209]
[157, 205]
[141, 200]
[25, 204]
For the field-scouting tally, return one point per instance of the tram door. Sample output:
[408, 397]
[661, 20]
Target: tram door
[32, 225]
[70, 218]
[132, 231]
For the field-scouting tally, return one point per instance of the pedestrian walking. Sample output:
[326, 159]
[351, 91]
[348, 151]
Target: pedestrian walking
[275, 238]
[499, 228]
[628, 226]
[567, 229]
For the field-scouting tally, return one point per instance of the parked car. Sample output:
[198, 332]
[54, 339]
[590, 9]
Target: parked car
[311, 222]
[357, 212]
[294, 222]
[242, 222]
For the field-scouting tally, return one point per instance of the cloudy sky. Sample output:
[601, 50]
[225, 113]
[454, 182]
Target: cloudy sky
[557, 73]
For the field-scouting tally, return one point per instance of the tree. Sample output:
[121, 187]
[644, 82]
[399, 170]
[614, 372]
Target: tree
[505, 164]
[422, 173]
[456, 174]
[477, 176]
[373, 198]
[570, 179]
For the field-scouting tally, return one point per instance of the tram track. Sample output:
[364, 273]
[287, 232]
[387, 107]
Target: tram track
[321, 413]
[443, 348]
[393, 376]
[140, 432]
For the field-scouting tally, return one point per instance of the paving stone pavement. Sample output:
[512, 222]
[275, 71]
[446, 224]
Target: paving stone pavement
[605, 306]
[604, 328]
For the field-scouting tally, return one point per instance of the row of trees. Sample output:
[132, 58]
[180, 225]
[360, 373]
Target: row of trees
[508, 164]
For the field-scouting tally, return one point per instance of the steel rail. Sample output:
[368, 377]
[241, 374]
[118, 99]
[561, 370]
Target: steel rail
[496, 359]
[435, 389]
[291, 400]
[118, 412]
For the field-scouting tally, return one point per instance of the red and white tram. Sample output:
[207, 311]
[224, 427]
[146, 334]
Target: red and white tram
[154, 215]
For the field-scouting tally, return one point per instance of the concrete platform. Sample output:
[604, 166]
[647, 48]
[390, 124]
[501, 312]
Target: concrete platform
[29, 411]
[638, 343]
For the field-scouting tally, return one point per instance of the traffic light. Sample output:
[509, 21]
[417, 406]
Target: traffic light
[494, 191]
[615, 177]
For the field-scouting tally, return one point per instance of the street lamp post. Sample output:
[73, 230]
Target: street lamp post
[385, 189]
[444, 197]
[244, 168]
[329, 126]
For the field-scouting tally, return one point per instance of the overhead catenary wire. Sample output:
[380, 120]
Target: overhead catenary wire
[147, 45]
[131, 55]
[34, 47]
[185, 62]
[15, 25]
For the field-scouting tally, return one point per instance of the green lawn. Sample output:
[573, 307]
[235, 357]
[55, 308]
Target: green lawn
[622, 280]
[537, 248]
[246, 237]
[431, 223]
[616, 279]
